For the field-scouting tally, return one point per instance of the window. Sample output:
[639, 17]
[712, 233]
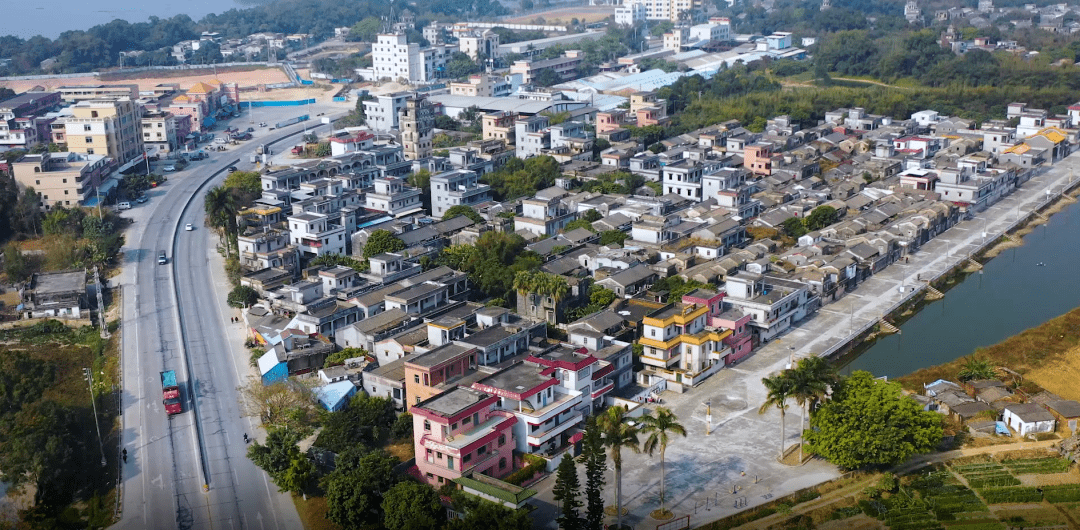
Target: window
[466, 459]
[89, 139]
[502, 440]
[450, 462]
[416, 378]
[502, 463]
[427, 425]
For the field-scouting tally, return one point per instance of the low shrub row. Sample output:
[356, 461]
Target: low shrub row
[1062, 493]
[1039, 466]
[994, 481]
[978, 525]
[1010, 495]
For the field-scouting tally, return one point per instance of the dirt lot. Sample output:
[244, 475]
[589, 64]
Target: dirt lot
[564, 16]
[243, 77]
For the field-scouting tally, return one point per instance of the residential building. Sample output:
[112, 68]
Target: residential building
[55, 294]
[270, 249]
[758, 159]
[1028, 418]
[160, 133]
[500, 126]
[683, 178]
[109, 127]
[417, 122]
[313, 235]
[564, 66]
[438, 370]
[482, 85]
[394, 58]
[672, 10]
[481, 43]
[77, 93]
[531, 135]
[630, 14]
[62, 179]
[384, 111]
[393, 196]
[544, 214]
[460, 432]
[456, 187]
[547, 412]
[774, 304]
[679, 346]
[648, 109]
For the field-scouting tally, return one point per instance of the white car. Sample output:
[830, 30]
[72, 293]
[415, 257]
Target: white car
[189, 227]
[170, 168]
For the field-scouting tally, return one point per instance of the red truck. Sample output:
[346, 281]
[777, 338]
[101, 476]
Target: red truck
[170, 393]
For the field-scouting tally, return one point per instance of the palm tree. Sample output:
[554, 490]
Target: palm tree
[779, 389]
[618, 434]
[658, 427]
[976, 368]
[221, 209]
[807, 387]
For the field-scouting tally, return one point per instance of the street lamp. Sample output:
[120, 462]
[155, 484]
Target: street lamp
[89, 377]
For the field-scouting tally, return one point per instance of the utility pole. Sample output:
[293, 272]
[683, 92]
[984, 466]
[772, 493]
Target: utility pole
[708, 417]
[89, 376]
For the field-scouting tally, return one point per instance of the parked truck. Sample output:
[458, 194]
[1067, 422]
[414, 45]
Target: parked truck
[170, 393]
[291, 121]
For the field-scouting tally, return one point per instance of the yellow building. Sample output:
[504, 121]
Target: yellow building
[679, 346]
[61, 179]
[109, 127]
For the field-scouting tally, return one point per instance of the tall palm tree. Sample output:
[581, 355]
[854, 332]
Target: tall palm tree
[658, 427]
[618, 434]
[221, 209]
[806, 388]
[779, 389]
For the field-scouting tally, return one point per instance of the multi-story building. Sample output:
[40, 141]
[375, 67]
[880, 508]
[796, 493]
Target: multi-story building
[545, 410]
[456, 187]
[680, 346]
[61, 179]
[77, 93]
[531, 135]
[544, 214]
[774, 304]
[563, 66]
[683, 178]
[392, 196]
[160, 132]
[383, 112]
[270, 249]
[648, 109]
[313, 235]
[109, 127]
[481, 43]
[758, 159]
[500, 126]
[434, 372]
[630, 14]
[482, 85]
[394, 57]
[460, 432]
[711, 32]
[417, 122]
[665, 9]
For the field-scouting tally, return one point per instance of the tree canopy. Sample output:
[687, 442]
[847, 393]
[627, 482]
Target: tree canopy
[871, 423]
[355, 489]
[462, 209]
[520, 178]
[381, 241]
[412, 506]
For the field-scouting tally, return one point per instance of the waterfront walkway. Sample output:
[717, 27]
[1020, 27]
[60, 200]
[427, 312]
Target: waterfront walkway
[741, 450]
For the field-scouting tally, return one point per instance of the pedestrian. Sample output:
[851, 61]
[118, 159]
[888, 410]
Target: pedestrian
[125, 456]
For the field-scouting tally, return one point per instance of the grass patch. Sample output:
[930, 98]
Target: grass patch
[1024, 353]
[313, 513]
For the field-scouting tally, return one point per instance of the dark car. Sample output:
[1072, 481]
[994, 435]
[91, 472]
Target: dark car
[232, 169]
[251, 129]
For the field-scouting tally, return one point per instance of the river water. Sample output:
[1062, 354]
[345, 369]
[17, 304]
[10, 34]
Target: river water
[1013, 293]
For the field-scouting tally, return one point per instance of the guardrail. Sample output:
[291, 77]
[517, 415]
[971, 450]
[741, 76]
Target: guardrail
[959, 258]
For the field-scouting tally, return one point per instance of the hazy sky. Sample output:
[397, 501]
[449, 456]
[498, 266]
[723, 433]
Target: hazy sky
[24, 19]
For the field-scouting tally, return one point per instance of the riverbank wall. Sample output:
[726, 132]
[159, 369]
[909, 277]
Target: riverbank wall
[958, 266]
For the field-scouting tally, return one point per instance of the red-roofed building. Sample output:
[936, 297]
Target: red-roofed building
[340, 145]
[918, 146]
[548, 413]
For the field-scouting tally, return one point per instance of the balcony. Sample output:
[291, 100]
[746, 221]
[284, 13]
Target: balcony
[542, 438]
[499, 420]
[603, 390]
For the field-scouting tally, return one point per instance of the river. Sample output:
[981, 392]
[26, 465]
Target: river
[1013, 293]
[26, 19]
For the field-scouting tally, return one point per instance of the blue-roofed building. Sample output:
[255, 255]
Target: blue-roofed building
[335, 396]
[271, 369]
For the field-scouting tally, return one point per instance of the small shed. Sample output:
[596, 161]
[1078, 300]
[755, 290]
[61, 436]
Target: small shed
[1067, 412]
[1028, 418]
[271, 369]
[967, 411]
[335, 396]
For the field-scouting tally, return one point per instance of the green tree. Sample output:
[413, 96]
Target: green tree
[794, 227]
[779, 389]
[613, 237]
[567, 490]
[821, 217]
[657, 427]
[592, 455]
[618, 435]
[354, 490]
[221, 210]
[975, 367]
[412, 506]
[381, 241]
[547, 77]
[871, 423]
[422, 180]
[331, 260]
[463, 209]
[247, 182]
[461, 66]
[592, 216]
[15, 263]
[365, 422]
[486, 515]
[579, 223]
[242, 296]
[282, 460]
[811, 379]
[339, 357]
[366, 30]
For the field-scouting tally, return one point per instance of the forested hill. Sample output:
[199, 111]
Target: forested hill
[100, 46]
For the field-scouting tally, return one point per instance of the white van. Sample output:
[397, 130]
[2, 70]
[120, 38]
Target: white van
[220, 141]
[124, 205]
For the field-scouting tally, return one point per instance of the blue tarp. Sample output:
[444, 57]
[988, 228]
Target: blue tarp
[1002, 429]
[256, 104]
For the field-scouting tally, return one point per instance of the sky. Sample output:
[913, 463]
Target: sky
[26, 19]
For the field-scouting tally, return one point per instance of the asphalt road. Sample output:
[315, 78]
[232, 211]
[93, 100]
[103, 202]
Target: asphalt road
[175, 318]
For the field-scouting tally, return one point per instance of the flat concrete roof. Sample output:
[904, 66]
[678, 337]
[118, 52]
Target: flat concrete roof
[439, 355]
[518, 379]
[59, 282]
[449, 404]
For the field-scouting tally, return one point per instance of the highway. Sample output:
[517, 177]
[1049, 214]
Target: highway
[190, 471]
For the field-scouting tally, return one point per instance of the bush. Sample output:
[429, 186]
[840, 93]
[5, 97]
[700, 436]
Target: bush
[1010, 495]
[242, 296]
[1062, 493]
[533, 464]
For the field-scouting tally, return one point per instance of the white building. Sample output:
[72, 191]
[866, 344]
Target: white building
[456, 187]
[1028, 418]
[630, 14]
[481, 43]
[716, 32]
[774, 304]
[392, 196]
[544, 214]
[313, 235]
[383, 112]
[395, 58]
[531, 136]
[664, 9]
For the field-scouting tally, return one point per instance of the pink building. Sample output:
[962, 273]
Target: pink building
[610, 120]
[758, 159]
[461, 432]
[739, 340]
